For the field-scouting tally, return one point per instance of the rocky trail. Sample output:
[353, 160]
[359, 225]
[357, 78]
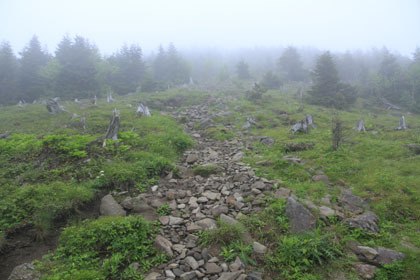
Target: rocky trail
[197, 202]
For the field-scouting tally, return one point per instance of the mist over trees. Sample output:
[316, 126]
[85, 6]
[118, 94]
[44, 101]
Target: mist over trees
[77, 69]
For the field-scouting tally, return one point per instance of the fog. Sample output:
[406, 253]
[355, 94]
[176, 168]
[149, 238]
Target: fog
[327, 24]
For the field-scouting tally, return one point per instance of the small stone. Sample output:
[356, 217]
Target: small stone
[178, 248]
[321, 178]
[366, 271]
[326, 211]
[228, 220]
[259, 248]
[181, 206]
[387, 256]
[170, 274]
[191, 262]
[229, 275]
[219, 209]
[211, 195]
[164, 245]
[367, 252]
[171, 195]
[202, 199]
[238, 156]
[191, 158]
[154, 188]
[212, 268]
[152, 276]
[164, 220]
[110, 207]
[207, 224]
[213, 260]
[193, 228]
[188, 275]
[175, 221]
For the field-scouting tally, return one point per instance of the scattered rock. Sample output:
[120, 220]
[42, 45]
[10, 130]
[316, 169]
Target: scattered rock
[164, 245]
[212, 268]
[152, 276]
[326, 211]
[267, 141]
[367, 221]
[228, 220]
[188, 275]
[110, 207]
[387, 256]
[191, 262]
[229, 275]
[24, 271]
[366, 271]
[321, 178]
[301, 219]
[351, 202]
[207, 224]
[192, 158]
[259, 248]
[238, 156]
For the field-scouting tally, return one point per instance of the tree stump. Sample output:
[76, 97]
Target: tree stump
[360, 125]
[94, 100]
[303, 125]
[114, 126]
[143, 110]
[53, 106]
[402, 125]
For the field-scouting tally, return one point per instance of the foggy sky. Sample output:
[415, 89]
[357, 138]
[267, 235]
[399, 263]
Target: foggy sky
[337, 25]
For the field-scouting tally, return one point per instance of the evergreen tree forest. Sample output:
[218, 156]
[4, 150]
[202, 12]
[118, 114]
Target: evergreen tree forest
[77, 69]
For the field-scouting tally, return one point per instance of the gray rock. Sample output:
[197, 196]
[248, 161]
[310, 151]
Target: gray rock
[366, 253]
[387, 256]
[212, 268]
[207, 224]
[267, 141]
[238, 156]
[326, 211]
[351, 202]
[191, 158]
[170, 274]
[188, 275]
[175, 221]
[152, 276]
[219, 209]
[367, 222]
[259, 248]
[228, 220]
[110, 207]
[211, 195]
[229, 275]
[24, 271]
[282, 193]
[191, 262]
[163, 245]
[258, 185]
[254, 276]
[366, 271]
[321, 178]
[301, 220]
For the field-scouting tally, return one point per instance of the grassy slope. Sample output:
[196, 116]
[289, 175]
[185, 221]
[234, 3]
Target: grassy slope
[50, 166]
[376, 166]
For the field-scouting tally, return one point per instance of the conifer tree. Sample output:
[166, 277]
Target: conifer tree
[8, 74]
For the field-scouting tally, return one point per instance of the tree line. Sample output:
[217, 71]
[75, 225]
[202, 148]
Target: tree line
[78, 70]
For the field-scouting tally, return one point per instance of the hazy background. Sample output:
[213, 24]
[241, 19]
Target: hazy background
[328, 24]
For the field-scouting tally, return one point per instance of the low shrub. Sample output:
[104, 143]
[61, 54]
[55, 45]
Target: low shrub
[104, 249]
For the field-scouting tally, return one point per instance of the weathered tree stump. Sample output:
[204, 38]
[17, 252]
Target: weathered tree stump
[94, 100]
[53, 106]
[114, 126]
[402, 125]
[143, 110]
[360, 125]
[303, 125]
[109, 98]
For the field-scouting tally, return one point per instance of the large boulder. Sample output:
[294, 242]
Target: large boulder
[387, 256]
[301, 219]
[24, 271]
[110, 207]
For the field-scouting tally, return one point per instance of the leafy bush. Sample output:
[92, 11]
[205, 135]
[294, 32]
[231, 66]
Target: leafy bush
[298, 254]
[164, 210]
[104, 249]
